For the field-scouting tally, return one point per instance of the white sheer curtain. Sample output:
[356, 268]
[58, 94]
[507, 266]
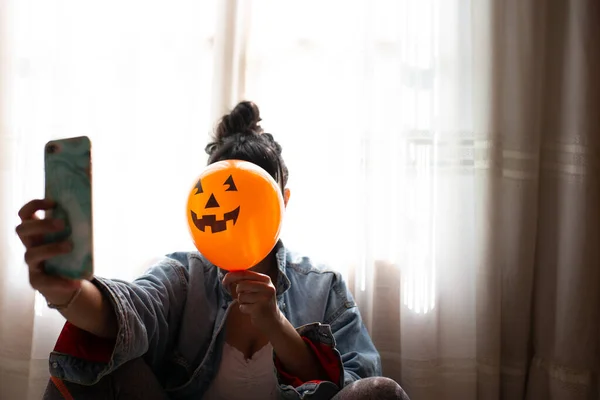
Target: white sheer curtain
[372, 103]
[136, 78]
[427, 140]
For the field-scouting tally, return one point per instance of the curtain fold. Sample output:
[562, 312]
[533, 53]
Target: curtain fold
[15, 337]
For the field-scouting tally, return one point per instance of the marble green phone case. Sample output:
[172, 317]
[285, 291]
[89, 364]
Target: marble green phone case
[69, 184]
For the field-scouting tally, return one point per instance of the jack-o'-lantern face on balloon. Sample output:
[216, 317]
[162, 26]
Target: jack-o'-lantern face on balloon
[212, 206]
[234, 214]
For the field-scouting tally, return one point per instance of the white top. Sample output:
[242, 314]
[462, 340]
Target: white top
[244, 379]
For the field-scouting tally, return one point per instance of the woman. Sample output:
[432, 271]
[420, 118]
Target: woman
[187, 330]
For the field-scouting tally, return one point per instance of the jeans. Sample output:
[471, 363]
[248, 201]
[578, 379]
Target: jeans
[134, 380]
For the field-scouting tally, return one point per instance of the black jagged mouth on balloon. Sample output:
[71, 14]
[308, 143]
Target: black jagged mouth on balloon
[216, 225]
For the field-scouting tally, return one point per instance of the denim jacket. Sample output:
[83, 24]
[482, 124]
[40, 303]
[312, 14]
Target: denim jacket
[173, 316]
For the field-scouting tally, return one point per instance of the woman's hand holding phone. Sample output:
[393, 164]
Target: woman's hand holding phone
[58, 248]
[31, 231]
[91, 311]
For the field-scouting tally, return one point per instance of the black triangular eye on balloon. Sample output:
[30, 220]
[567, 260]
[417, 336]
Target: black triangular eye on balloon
[212, 202]
[198, 187]
[232, 187]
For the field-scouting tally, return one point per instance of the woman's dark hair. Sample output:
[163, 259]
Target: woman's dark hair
[240, 137]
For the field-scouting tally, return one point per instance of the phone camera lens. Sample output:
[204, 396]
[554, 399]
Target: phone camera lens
[52, 148]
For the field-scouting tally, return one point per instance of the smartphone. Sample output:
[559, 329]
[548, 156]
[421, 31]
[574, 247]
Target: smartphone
[68, 182]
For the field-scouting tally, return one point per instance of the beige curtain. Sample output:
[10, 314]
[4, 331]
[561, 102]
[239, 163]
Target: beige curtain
[528, 327]
[540, 294]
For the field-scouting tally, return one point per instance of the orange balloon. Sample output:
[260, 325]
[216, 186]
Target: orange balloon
[234, 214]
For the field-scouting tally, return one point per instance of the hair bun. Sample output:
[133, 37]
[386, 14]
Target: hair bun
[244, 119]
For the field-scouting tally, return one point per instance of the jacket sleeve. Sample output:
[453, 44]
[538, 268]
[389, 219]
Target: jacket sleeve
[359, 356]
[147, 311]
[341, 344]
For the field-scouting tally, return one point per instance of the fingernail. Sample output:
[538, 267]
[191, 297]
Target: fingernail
[67, 245]
[59, 223]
